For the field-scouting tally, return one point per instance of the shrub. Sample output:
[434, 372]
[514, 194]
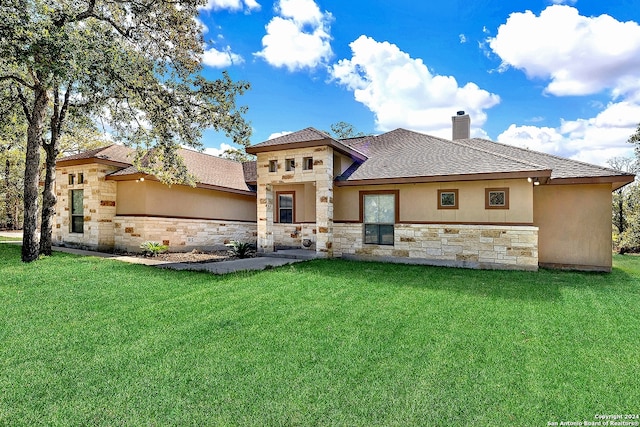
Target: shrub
[240, 249]
[153, 248]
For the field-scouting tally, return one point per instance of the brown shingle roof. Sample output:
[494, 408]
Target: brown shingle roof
[562, 168]
[114, 153]
[250, 171]
[406, 154]
[209, 171]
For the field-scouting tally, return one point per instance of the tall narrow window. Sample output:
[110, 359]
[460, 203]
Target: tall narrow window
[496, 198]
[80, 178]
[77, 211]
[290, 164]
[285, 208]
[307, 163]
[379, 217]
[273, 166]
[72, 179]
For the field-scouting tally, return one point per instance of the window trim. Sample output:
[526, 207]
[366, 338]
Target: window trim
[80, 178]
[307, 163]
[487, 202]
[72, 179]
[74, 215]
[293, 207]
[273, 166]
[455, 198]
[396, 219]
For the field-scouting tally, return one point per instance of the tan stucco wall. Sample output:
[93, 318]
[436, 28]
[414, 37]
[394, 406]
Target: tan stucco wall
[419, 202]
[156, 199]
[305, 200]
[575, 224]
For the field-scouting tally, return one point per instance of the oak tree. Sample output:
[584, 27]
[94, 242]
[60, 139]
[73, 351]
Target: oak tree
[135, 65]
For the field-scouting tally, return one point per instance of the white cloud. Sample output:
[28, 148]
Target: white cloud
[298, 38]
[463, 38]
[564, 1]
[402, 92]
[277, 134]
[213, 151]
[580, 55]
[593, 140]
[232, 5]
[220, 58]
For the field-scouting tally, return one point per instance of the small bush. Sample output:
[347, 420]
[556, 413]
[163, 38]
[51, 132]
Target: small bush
[240, 249]
[153, 248]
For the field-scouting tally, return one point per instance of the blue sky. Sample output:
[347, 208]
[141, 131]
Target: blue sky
[557, 76]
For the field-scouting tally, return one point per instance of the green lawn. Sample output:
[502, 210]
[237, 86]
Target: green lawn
[88, 341]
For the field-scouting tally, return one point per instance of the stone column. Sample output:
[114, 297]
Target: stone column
[323, 168]
[265, 208]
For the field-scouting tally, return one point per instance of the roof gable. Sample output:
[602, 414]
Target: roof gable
[305, 138]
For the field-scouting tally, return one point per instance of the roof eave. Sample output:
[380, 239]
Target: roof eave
[543, 173]
[98, 160]
[617, 181]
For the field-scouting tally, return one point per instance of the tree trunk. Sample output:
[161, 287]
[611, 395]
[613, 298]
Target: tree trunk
[8, 197]
[48, 197]
[30, 247]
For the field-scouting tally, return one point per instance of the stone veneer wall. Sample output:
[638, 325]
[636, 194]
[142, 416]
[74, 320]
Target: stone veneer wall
[474, 246]
[180, 235]
[292, 235]
[99, 207]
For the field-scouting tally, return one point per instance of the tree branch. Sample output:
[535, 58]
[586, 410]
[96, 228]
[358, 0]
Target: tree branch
[17, 79]
[24, 103]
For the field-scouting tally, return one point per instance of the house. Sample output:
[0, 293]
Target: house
[401, 196]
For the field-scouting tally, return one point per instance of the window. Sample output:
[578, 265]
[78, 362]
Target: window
[447, 199]
[379, 214]
[497, 198]
[273, 166]
[80, 178]
[290, 164]
[307, 163]
[72, 179]
[285, 207]
[77, 211]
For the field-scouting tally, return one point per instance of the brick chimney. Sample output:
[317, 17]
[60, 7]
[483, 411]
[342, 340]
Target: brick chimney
[461, 126]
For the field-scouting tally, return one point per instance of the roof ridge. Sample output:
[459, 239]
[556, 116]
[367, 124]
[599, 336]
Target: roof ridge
[558, 157]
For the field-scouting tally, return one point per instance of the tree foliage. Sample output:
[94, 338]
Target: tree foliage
[344, 130]
[135, 65]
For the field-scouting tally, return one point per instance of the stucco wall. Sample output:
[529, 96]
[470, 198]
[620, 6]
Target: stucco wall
[99, 207]
[575, 225]
[153, 198]
[419, 202]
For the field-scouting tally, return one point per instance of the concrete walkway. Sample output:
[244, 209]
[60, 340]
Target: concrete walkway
[220, 267]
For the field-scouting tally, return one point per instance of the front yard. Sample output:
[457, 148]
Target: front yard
[88, 341]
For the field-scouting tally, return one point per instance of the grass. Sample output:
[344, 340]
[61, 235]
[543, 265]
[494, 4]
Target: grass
[88, 341]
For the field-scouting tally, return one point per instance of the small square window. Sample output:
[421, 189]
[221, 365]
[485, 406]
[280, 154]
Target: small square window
[497, 198]
[72, 179]
[273, 166]
[448, 199]
[80, 178]
[290, 164]
[307, 163]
